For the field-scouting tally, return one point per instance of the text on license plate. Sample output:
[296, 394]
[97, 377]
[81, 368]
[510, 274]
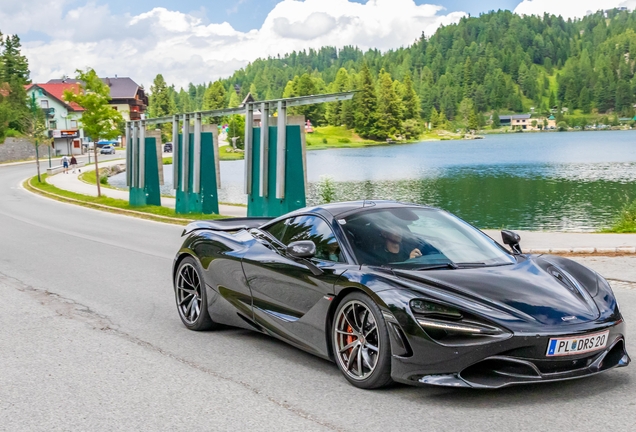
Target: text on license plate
[576, 344]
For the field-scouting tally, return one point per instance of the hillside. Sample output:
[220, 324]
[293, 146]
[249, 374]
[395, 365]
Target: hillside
[498, 61]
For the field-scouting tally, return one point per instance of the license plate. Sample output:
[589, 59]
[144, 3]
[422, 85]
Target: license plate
[576, 344]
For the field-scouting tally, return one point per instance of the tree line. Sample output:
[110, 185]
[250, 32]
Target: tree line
[14, 75]
[498, 62]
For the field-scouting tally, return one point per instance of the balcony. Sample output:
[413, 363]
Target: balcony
[49, 112]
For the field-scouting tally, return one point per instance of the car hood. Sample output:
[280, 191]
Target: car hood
[534, 289]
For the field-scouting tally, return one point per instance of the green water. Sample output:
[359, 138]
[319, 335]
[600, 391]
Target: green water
[547, 181]
[575, 181]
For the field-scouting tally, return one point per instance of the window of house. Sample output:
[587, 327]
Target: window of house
[73, 124]
[52, 124]
[44, 103]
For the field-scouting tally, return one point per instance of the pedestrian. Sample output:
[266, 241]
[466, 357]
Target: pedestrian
[73, 163]
[65, 163]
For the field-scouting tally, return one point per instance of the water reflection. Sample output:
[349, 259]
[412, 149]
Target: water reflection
[564, 182]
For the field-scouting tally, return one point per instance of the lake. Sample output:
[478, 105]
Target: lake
[574, 181]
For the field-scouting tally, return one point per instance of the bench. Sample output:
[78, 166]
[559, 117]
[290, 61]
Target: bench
[60, 168]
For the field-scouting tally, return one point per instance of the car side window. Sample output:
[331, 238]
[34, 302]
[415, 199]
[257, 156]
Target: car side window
[317, 230]
[278, 229]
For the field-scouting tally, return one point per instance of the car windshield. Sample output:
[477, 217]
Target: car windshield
[420, 238]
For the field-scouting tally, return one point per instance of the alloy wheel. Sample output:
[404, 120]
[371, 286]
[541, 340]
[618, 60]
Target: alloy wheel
[189, 293]
[357, 340]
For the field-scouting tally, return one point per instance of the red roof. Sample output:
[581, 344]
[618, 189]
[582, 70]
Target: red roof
[57, 91]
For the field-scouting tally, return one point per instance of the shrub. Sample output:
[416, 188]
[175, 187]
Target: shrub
[324, 140]
[562, 126]
[412, 129]
[326, 189]
[11, 133]
[344, 140]
[625, 221]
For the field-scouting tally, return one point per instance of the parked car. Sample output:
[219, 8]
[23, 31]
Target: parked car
[167, 147]
[107, 149]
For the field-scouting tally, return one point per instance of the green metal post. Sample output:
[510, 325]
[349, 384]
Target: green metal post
[294, 193]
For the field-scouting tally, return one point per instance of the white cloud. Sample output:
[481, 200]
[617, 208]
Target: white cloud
[186, 49]
[570, 8]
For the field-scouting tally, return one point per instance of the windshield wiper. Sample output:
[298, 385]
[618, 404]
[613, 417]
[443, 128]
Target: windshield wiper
[471, 264]
[448, 265]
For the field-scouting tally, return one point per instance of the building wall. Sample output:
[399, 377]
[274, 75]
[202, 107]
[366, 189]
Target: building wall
[123, 109]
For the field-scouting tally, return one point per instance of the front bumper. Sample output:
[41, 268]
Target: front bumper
[501, 371]
[520, 359]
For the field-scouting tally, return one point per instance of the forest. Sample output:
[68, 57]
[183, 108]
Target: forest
[498, 62]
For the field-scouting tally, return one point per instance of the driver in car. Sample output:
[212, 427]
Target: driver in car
[394, 250]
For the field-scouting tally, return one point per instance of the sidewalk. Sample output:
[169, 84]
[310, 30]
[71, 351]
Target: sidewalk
[71, 182]
[531, 241]
[569, 242]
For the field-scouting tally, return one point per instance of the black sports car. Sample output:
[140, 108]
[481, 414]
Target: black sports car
[401, 292]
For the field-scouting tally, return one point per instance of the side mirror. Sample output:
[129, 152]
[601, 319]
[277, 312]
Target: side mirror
[303, 249]
[512, 239]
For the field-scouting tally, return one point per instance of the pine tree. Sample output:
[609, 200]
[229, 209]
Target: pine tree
[410, 100]
[254, 92]
[15, 66]
[552, 100]
[473, 121]
[434, 118]
[496, 121]
[443, 121]
[365, 104]
[14, 74]
[468, 77]
[466, 107]
[584, 100]
[234, 100]
[333, 112]
[160, 103]
[389, 108]
[214, 96]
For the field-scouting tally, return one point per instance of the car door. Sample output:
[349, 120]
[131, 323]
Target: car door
[290, 300]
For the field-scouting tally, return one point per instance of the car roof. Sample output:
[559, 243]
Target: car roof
[344, 209]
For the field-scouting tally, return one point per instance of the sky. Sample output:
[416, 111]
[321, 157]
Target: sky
[203, 40]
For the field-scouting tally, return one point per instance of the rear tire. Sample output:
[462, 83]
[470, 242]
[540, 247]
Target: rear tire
[360, 342]
[191, 297]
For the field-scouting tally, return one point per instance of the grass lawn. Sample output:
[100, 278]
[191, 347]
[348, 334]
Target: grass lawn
[336, 137]
[115, 205]
[224, 154]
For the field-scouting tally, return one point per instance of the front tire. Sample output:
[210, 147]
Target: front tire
[360, 341]
[191, 297]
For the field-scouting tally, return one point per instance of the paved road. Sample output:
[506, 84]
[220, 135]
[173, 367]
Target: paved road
[90, 340]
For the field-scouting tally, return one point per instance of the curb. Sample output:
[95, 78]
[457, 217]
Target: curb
[109, 208]
[622, 250]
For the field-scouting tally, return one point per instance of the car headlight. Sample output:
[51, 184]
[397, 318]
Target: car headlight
[451, 326]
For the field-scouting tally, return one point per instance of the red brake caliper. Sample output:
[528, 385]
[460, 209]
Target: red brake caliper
[350, 338]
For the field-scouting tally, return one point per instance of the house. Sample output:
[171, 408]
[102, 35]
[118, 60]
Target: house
[521, 121]
[62, 118]
[126, 96]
